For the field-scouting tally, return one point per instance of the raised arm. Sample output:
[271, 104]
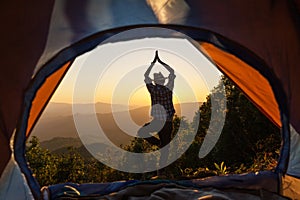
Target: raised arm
[171, 77]
[147, 73]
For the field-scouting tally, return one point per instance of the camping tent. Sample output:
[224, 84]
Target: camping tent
[255, 43]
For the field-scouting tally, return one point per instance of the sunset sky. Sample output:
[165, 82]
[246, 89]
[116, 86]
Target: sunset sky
[114, 73]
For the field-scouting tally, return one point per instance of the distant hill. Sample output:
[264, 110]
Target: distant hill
[55, 109]
[81, 150]
[63, 145]
[61, 142]
[57, 121]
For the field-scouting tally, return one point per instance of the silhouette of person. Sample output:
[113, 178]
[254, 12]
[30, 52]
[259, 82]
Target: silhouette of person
[162, 108]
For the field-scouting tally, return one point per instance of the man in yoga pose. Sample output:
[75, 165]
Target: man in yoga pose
[162, 108]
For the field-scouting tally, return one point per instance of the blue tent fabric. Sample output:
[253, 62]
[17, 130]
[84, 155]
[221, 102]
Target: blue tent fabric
[264, 180]
[63, 189]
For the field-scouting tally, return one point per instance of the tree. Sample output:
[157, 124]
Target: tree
[245, 125]
[41, 162]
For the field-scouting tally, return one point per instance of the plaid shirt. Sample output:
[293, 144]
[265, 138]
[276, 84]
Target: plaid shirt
[161, 99]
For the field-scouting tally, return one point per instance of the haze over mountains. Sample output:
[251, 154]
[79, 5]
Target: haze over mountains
[57, 120]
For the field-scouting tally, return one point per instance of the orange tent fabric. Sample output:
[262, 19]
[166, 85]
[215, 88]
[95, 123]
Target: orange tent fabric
[44, 94]
[259, 89]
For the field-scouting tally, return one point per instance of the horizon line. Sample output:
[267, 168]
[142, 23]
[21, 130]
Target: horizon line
[61, 102]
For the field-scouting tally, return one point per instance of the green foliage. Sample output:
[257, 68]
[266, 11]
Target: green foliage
[245, 125]
[221, 169]
[249, 142]
[42, 162]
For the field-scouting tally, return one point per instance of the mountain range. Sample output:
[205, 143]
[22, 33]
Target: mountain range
[57, 120]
